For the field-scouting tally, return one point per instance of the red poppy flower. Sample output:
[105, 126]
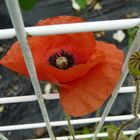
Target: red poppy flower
[85, 69]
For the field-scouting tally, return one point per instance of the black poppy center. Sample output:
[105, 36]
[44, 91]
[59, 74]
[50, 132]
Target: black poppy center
[62, 60]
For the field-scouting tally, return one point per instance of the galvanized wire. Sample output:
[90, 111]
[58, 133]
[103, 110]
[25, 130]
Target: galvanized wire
[17, 21]
[74, 28]
[2, 137]
[20, 30]
[134, 47]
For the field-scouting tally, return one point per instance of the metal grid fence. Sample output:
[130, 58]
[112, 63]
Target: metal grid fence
[21, 32]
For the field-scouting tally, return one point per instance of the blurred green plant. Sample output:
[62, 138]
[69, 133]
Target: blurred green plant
[86, 131]
[131, 35]
[112, 131]
[81, 3]
[84, 5]
[27, 4]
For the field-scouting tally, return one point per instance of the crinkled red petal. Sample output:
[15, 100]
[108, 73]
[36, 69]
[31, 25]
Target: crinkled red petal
[88, 93]
[81, 45]
[14, 61]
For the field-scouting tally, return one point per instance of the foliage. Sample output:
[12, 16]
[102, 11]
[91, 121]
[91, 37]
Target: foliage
[112, 131]
[81, 3]
[86, 131]
[131, 35]
[27, 4]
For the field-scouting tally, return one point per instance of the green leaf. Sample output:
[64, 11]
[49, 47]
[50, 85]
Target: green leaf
[27, 4]
[86, 131]
[81, 3]
[131, 35]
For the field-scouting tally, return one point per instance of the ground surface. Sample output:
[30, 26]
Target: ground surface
[12, 84]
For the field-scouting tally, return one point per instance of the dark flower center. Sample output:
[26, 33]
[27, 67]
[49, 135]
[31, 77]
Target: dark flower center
[62, 60]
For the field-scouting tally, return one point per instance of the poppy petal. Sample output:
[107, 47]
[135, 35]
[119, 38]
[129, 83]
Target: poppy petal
[59, 20]
[88, 93]
[14, 61]
[85, 42]
[81, 45]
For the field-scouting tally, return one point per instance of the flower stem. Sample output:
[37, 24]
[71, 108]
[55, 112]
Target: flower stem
[72, 133]
[134, 109]
[137, 97]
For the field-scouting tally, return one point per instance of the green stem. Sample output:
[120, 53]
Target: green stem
[72, 133]
[124, 125]
[134, 109]
[137, 97]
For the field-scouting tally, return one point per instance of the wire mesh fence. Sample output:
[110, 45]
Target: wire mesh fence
[21, 32]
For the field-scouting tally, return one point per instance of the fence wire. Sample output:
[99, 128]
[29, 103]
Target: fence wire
[21, 32]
